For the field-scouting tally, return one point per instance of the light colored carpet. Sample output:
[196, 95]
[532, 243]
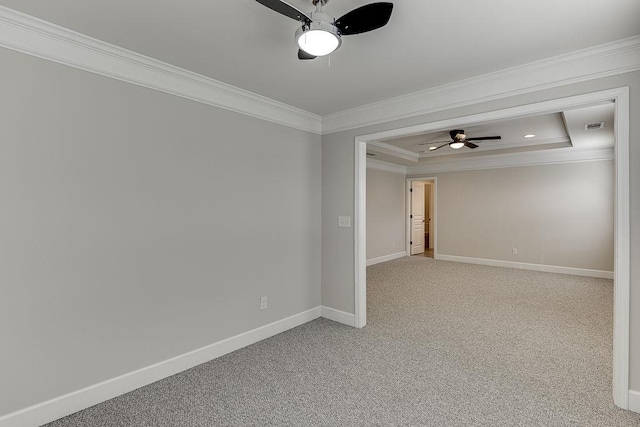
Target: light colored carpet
[446, 344]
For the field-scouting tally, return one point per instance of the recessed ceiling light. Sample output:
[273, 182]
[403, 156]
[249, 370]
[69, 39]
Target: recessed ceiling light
[529, 135]
[432, 148]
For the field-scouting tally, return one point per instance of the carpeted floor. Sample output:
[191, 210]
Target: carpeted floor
[446, 344]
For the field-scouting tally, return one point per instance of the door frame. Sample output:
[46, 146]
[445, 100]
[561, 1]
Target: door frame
[622, 239]
[407, 222]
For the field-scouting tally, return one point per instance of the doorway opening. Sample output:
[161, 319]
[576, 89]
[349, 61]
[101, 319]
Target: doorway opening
[421, 221]
[621, 274]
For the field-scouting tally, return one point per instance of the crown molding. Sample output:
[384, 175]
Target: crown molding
[392, 150]
[510, 160]
[381, 165]
[618, 57]
[32, 36]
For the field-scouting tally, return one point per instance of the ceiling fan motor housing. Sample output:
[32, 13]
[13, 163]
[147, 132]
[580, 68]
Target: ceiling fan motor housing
[457, 134]
[324, 26]
[321, 17]
[320, 21]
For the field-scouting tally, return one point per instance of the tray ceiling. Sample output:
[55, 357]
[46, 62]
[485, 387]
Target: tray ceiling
[564, 129]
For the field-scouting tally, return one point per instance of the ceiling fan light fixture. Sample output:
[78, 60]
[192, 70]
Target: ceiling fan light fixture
[456, 145]
[320, 34]
[318, 38]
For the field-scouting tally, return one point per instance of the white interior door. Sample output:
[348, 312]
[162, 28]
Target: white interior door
[430, 221]
[417, 217]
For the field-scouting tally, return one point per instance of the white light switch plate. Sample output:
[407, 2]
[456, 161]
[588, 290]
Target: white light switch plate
[344, 221]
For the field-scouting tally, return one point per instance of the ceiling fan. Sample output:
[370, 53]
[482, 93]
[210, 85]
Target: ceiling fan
[459, 140]
[321, 34]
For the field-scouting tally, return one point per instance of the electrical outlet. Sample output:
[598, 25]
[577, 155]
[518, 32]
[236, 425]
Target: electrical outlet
[263, 303]
[394, 244]
[514, 251]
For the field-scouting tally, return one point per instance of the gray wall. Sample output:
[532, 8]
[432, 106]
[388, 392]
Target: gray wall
[133, 230]
[338, 194]
[337, 243]
[385, 213]
[559, 215]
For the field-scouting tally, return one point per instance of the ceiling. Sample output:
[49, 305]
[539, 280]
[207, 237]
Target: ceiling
[561, 130]
[426, 43]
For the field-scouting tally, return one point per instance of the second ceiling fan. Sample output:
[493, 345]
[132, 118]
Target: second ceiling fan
[321, 34]
[459, 140]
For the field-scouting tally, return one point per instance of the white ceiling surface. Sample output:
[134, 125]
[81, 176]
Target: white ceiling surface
[554, 130]
[425, 44]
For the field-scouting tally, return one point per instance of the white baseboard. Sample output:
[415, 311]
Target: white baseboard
[389, 257]
[634, 401]
[81, 399]
[338, 316]
[526, 266]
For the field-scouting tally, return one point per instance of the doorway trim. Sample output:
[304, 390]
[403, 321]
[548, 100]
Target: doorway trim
[622, 240]
[407, 221]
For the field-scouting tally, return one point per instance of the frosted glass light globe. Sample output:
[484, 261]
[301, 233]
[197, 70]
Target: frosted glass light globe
[318, 42]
